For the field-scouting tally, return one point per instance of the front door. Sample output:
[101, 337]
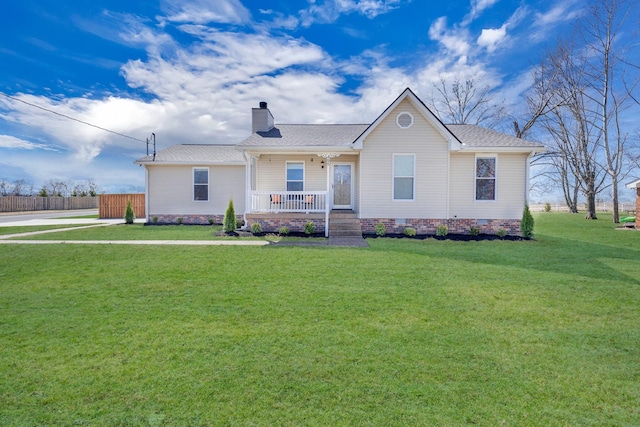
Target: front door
[342, 186]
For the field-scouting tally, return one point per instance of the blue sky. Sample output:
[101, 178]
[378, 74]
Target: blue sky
[190, 71]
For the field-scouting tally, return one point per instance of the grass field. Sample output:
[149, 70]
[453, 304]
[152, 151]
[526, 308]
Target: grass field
[543, 332]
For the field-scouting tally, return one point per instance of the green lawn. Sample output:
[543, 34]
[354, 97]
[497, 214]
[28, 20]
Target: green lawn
[29, 228]
[543, 332]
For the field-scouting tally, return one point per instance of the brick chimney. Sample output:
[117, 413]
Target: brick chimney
[261, 119]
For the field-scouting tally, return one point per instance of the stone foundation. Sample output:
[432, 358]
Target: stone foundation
[454, 225]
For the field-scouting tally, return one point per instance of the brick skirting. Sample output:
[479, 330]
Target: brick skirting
[271, 223]
[454, 225]
[190, 219]
[638, 208]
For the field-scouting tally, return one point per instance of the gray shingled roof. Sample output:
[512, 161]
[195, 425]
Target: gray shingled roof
[197, 154]
[475, 137]
[316, 135]
[343, 135]
[305, 136]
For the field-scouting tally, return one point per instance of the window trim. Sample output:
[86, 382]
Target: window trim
[393, 178]
[476, 178]
[286, 178]
[398, 119]
[193, 180]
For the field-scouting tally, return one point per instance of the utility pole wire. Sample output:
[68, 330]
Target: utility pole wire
[72, 118]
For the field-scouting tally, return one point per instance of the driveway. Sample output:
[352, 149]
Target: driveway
[14, 219]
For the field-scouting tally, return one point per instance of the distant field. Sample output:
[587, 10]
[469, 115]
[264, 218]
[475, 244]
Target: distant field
[543, 332]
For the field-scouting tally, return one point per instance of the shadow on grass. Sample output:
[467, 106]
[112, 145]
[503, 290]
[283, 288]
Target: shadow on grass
[545, 253]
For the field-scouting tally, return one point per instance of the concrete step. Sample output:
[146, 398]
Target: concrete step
[342, 215]
[345, 225]
[345, 233]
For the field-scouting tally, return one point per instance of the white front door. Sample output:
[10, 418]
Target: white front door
[342, 185]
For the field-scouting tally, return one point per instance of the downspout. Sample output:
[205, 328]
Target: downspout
[527, 177]
[146, 193]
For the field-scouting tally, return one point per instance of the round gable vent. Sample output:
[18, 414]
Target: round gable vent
[404, 120]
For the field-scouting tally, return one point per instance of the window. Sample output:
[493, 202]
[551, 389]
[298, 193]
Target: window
[201, 184]
[403, 176]
[295, 176]
[485, 178]
[404, 120]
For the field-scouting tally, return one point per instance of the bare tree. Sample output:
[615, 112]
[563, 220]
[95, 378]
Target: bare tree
[609, 85]
[572, 125]
[465, 102]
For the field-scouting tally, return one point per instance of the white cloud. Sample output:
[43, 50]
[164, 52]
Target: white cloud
[491, 37]
[559, 13]
[330, 10]
[477, 7]
[8, 141]
[205, 11]
[455, 40]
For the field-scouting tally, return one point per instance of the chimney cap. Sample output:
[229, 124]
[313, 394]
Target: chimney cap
[263, 105]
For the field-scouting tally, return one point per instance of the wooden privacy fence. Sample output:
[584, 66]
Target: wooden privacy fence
[37, 203]
[114, 205]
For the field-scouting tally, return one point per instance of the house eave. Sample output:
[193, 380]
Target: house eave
[487, 149]
[634, 184]
[187, 163]
[302, 149]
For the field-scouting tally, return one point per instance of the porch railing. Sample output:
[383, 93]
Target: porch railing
[288, 201]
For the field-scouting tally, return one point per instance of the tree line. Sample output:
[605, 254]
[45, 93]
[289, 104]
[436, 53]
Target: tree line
[51, 188]
[582, 104]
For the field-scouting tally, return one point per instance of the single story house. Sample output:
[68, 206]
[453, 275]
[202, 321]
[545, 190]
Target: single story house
[406, 169]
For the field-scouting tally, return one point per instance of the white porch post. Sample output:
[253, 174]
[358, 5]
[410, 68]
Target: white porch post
[327, 207]
[247, 187]
[328, 202]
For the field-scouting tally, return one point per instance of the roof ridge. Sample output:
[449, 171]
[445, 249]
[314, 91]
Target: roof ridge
[322, 124]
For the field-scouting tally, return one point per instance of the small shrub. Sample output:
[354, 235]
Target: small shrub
[474, 231]
[380, 229]
[256, 228]
[442, 230]
[129, 215]
[179, 220]
[309, 227]
[547, 207]
[410, 232]
[501, 232]
[210, 221]
[229, 223]
[526, 226]
[154, 219]
[283, 231]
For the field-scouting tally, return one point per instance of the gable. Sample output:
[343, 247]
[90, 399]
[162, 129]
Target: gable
[408, 102]
[405, 128]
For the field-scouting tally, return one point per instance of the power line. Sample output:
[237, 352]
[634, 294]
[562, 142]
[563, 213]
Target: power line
[72, 118]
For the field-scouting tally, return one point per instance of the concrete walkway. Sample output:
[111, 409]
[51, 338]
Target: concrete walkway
[90, 223]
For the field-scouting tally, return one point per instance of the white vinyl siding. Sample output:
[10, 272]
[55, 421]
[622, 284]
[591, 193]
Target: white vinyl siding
[431, 151]
[404, 166]
[170, 190]
[510, 187]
